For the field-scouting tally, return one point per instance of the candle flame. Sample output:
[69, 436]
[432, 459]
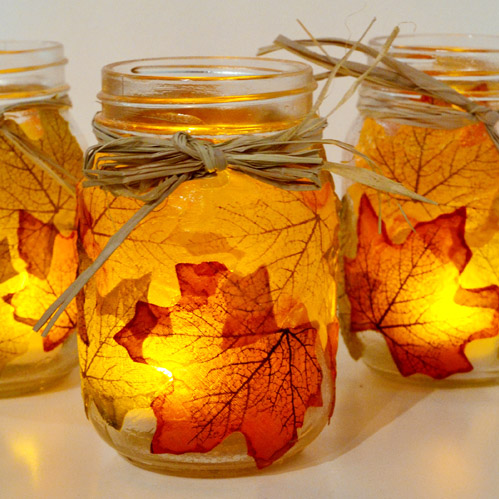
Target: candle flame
[165, 371]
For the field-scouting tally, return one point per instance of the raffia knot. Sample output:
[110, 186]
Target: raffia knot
[484, 114]
[204, 151]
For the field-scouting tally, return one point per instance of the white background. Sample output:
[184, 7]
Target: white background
[386, 440]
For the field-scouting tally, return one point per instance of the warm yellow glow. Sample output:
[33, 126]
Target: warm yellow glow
[38, 258]
[220, 297]
[25, 448]
[165, 371]
[419, 305]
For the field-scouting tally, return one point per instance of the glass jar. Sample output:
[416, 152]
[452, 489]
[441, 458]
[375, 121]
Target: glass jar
[207, 340]
[424, 303]
[40, 163]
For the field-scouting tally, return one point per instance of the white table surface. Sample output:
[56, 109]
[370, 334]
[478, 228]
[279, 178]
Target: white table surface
[385, 440]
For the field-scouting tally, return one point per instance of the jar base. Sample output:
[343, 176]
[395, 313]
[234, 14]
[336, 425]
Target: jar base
[18, 379]
[228, 459]
[194, 470]
[485, 379]
[378, 358]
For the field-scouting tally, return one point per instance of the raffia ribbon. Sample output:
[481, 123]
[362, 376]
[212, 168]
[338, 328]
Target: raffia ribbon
[150, 168]
[401, 77]
[39, 158]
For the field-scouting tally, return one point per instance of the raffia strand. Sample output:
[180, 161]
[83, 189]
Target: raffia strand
[399, 76]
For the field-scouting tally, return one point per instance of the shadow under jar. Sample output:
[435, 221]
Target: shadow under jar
[38, 256]
[208, 338]
[424, 304]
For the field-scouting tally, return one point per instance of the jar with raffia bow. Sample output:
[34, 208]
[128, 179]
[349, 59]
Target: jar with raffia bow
[207, 339]
[40, 162]
[423, 303]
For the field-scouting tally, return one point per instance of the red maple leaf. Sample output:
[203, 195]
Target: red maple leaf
[233, 368]
[410, 293]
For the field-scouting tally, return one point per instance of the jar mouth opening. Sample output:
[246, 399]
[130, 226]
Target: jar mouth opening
[431, 43]
[24, 46]
[198, 69]
[203, 80]
[22, 56]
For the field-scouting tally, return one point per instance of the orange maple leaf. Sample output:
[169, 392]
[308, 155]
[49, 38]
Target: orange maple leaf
[233, 368]
[409, 292]
[6, 269]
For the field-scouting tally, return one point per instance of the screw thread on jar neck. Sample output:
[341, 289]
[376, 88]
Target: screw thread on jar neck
[30, 71]
[468, 63]
[205, 96]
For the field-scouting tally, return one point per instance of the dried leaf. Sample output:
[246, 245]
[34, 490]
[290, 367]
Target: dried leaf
[123, 384]
[453, 167]
[233, 368]
[35, 191]
[36, 242]
[6, 269]
[38, 292]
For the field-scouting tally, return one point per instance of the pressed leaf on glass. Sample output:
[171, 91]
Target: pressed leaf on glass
[410, 293]
[458, 167]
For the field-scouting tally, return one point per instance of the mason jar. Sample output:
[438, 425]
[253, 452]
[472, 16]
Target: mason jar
[207, 340]
[40, 162]
[421, 296]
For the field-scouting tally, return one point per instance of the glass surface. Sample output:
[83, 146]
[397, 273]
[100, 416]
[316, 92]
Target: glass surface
[38, 257]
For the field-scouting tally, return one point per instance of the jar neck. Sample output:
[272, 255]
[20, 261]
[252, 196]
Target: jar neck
[31, 71]
[205, 96]
[467, 63]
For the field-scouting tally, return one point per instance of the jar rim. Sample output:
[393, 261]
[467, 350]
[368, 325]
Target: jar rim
[418, 43]
[130, 68]
[24, 46]
[21, 56]
[166, 81]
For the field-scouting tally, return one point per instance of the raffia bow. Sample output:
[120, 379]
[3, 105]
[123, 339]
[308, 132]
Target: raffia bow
[150, 168]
